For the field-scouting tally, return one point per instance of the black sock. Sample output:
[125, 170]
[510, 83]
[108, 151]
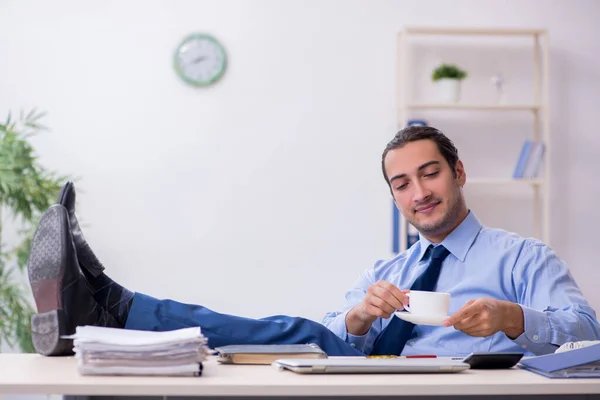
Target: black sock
[113, 297]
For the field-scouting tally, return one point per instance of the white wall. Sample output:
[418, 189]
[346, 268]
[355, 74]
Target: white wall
[263, 194]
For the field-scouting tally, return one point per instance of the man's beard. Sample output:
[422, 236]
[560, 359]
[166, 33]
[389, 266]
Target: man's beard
[445, 224]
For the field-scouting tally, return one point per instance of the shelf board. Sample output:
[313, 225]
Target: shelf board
[489, 107]
[505, 181]
[473, 31]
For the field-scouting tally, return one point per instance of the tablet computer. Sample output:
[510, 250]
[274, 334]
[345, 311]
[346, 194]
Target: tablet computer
[359, 365]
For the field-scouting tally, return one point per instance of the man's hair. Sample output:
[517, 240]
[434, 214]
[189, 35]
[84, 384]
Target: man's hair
[414, 133]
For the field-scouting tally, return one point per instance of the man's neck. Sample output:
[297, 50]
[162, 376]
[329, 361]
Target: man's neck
[440, 238]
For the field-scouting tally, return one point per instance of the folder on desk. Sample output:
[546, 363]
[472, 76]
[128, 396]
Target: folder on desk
[579, 363]
[266, 353]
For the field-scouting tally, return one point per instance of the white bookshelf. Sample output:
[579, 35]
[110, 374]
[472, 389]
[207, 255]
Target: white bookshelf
[504, 181]
[539, 110]
[474, 107]
[415, 30]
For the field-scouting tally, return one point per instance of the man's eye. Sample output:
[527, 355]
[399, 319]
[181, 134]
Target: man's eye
[402, 187]
[431, 175]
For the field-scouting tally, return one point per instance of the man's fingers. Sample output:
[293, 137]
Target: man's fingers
[468, 310]
[378, 308]
[391, 294]
[374, 311]
[382, 305]
[383, 299]
[468, 323]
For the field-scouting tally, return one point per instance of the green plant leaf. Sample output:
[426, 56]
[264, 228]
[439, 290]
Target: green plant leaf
[27, 189]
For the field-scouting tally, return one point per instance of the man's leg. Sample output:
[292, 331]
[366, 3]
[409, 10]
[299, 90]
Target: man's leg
[142, 312]
[148, 313]
[122, 308]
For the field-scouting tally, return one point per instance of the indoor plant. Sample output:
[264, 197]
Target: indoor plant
[448, 77]
[27, 189]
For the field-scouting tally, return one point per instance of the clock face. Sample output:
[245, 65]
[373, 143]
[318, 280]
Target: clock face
[200, 60]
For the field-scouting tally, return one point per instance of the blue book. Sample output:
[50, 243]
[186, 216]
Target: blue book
[412, 235]
[579, 363]
[523, 158]
[534, 161]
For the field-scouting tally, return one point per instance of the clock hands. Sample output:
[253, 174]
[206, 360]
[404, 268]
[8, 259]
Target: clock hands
[198, 59]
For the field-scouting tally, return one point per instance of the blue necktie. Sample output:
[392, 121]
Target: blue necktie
[393, 338]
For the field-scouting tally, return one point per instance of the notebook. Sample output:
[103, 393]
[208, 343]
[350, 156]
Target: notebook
[266, 354]
[360, 365]
[582, 362]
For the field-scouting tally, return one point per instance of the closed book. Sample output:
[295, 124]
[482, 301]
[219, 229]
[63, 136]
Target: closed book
[535, 160]
[267, 353]
[523, 158]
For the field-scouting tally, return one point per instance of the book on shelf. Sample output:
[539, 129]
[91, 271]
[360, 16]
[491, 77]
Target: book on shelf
[530, 160]
[412, 234]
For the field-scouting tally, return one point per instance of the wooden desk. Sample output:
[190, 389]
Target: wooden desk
[33, 374]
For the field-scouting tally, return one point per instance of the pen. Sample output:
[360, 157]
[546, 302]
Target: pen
[411, 356]
[420, 356]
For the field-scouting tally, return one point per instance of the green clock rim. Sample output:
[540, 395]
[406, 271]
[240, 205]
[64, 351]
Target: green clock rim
[192, 81]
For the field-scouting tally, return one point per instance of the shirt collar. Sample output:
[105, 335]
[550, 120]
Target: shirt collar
[459, 241]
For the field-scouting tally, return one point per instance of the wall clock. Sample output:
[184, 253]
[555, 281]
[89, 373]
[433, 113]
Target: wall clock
[200, 60]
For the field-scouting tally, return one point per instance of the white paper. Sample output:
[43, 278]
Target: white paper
[130, 337]
[112, 351]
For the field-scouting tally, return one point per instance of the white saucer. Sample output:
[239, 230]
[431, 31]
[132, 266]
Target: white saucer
[437, 320]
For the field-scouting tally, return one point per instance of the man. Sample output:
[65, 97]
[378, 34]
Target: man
[508, 293]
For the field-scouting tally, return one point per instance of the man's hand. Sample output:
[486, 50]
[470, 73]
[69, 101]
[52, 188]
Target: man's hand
[484, 317]
[381, 300]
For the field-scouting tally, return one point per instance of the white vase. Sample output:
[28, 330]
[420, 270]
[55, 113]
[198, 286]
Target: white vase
[448, 90]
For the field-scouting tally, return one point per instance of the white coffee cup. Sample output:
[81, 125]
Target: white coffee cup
[428, 303]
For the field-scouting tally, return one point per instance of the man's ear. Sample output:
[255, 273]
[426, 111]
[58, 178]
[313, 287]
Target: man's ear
[461, 176]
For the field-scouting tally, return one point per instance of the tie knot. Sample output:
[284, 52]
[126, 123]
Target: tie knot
[439, 253]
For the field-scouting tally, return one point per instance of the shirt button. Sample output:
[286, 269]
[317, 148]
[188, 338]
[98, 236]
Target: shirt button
[524, 346]
[535, 337]
[352, 344]
[412, 343]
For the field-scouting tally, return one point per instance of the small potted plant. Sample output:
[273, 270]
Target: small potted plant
[447, 77]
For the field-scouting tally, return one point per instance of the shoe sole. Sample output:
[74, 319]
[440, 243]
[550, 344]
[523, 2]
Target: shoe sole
[46, 269]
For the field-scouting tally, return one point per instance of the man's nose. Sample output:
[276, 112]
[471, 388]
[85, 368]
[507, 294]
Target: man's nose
[421, 193]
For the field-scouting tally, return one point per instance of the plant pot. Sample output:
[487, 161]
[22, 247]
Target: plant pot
[448, 90]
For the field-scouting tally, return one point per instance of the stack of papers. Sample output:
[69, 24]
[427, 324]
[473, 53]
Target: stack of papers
[110, 351]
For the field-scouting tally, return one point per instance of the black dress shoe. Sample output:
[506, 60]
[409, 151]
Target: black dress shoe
[85, 255]
[62, 296]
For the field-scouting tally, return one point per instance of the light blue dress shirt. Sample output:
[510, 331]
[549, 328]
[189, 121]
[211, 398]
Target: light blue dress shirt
[483, 262]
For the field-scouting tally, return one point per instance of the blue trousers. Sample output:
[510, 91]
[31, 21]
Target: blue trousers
[150, 314]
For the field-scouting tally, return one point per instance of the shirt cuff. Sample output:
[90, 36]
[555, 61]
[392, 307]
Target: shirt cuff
[338, 326]
[537, 332]
[358, 342]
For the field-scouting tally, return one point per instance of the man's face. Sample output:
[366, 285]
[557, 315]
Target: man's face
[425, 188]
